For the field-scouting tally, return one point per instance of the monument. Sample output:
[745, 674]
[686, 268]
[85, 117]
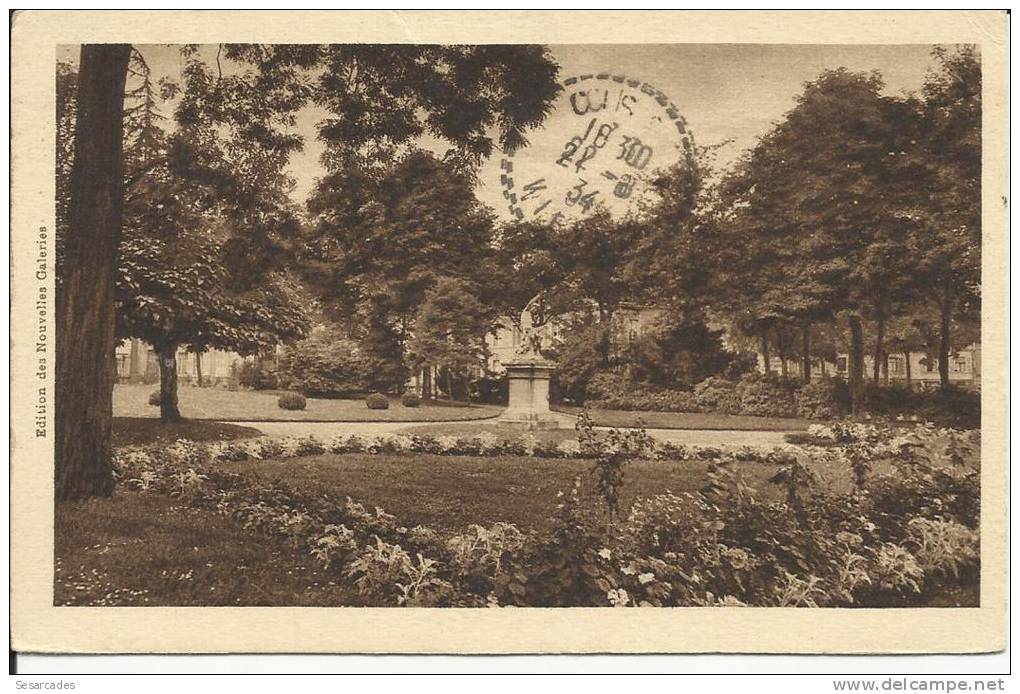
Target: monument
[528, 373]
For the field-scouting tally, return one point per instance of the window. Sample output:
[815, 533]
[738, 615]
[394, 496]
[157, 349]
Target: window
[960, 364]
[929, 364]
[895, 365]
[841, 363]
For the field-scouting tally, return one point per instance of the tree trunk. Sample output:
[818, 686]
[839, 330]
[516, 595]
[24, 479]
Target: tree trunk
[765, 350]
[426, 383]
[781, 344]
[879, 346]
[168, 409]
[906, 357]
[605, 343]
[449, 385]
[856, 366]
[198, 368]
[135, 372]
[945, 311]
[84, 312]
[805, 347]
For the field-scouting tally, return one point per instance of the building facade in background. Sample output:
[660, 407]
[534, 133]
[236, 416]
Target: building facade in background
[137, 363]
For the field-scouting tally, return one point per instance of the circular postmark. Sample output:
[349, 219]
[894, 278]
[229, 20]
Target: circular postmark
[606, 134]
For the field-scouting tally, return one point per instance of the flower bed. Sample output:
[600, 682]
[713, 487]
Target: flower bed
[894, 540]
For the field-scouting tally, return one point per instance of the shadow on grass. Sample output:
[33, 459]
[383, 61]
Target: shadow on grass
[142, 431]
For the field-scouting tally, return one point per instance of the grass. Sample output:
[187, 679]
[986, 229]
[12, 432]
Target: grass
[142, 431]
[449, 493]
[131, 400]
[145, 549]
[691, 420]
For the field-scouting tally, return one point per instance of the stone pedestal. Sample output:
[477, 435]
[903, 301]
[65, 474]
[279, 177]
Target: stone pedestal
[529, 395]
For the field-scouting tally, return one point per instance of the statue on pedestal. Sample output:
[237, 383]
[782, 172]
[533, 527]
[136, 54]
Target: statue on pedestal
[529, 372]
[534, 332]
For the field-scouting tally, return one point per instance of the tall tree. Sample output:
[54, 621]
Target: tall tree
[380, 239]
[449, 331]
[186, 275]
[88, 264]
[947, 245]
[377, 95]
[815, 210]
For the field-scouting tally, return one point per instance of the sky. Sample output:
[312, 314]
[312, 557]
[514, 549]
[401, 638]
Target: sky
[723, 91]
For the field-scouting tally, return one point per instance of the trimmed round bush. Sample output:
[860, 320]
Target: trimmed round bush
[154, 398]
[377, 401]
[292, 401]
[409, 400]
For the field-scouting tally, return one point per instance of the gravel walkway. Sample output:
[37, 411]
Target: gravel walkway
[690, 437]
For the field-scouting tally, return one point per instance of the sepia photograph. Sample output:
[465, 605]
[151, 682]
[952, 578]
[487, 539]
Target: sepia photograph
[453, 324]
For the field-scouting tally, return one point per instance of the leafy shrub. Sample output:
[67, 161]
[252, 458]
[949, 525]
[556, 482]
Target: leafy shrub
[377, 401]
[883, 546]
[765, 396]
[489, 390]
[309, 445]
[822, 399]
[259, 374]
[607, 384]
[155, 398]
[679, 351]
[326, 363]
[410, 400]
[716, 394]
[945, 549]
[954, 407]
[578, 360]
[612, 391]
[291, 401]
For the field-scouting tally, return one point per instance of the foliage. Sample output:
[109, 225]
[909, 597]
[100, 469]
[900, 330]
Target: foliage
[578, 359]
[752, 394]
[716, 394]
[678, 353]
[491, 390]
[766, 396]
[381, 240]
[449, 330]
[822, 399]
[377, 401]
[723, 546]
[410, 400]
[326, 363]
[610, 454]
[259, 374]
[292, 401]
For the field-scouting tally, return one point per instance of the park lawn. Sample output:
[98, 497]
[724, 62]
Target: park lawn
[691, 420]
[131, 400]
[144, 431]
[447, 493]
[147, 549]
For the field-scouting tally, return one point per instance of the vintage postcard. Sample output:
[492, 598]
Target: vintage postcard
[509, 332]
